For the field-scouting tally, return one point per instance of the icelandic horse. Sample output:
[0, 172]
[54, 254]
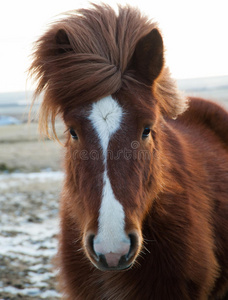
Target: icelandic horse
[144, 207]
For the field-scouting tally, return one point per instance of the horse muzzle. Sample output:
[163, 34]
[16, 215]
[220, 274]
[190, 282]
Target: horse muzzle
[120, 259]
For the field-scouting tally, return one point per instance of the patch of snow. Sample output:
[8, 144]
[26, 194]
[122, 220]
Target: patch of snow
[28, 236]
[14, 180]
[30, 292]
[41, 176]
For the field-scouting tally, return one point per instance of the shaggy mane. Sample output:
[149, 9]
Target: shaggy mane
[87, 56]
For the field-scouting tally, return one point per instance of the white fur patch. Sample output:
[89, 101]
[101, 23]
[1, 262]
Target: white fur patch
[106, 118]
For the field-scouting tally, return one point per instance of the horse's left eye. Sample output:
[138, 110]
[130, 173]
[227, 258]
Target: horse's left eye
[73, 134]
[146, 132]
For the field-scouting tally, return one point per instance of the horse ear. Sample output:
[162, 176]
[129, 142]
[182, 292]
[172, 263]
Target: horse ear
[62, 42]
[148, 58]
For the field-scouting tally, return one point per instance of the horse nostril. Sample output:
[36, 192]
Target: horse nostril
[134, 245]
[90, 246]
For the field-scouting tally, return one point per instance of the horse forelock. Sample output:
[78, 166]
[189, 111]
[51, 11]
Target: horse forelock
[87, 56]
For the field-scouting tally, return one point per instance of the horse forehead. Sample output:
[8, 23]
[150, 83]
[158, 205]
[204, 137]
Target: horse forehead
[106, 116]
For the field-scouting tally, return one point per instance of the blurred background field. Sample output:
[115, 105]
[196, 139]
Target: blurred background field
[23, 150]
[31, 176]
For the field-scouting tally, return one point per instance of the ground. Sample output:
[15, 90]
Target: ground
[29, 203]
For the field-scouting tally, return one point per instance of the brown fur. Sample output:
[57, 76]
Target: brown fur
[176, 198]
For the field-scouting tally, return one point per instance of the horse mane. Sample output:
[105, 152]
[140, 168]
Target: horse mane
[87, 55]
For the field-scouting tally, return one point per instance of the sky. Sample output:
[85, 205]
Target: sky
[195, 35]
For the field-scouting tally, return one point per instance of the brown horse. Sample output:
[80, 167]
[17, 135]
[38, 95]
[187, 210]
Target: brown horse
[144, 208]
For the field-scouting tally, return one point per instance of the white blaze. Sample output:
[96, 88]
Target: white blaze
[106, 117]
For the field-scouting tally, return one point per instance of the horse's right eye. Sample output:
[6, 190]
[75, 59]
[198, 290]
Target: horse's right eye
[73, 134]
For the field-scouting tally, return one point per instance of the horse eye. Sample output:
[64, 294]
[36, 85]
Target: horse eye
[146, 132]
[73, 134]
